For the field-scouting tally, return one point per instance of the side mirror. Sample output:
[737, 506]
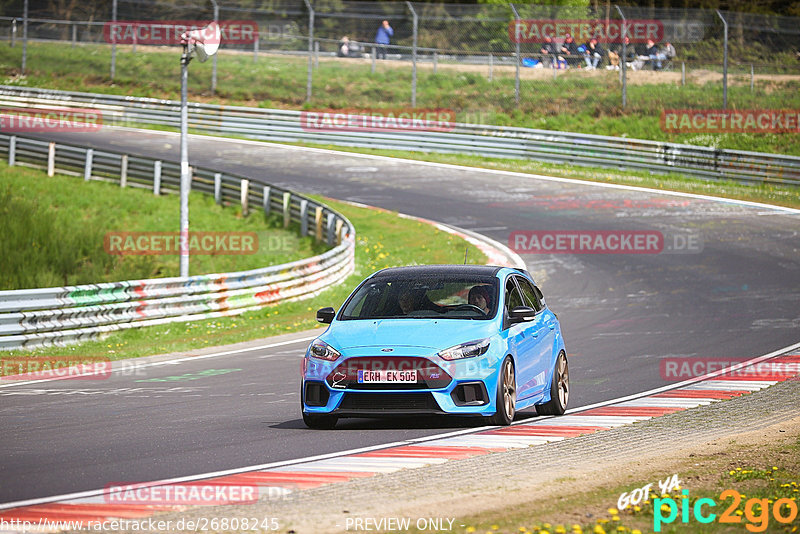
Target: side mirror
[521, 313]
[326, 315]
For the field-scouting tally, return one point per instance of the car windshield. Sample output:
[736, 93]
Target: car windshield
[437, 297]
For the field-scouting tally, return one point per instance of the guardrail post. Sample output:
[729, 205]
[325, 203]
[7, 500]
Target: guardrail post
[287, 209]
[87, 166]
[51, 159]
[123, 171]
[339, 225]
[218, 188]
[244, 190]
[303, 218]
[12, 150]
[331, 225]
[266, 194]
[157, 177]
[318, 224]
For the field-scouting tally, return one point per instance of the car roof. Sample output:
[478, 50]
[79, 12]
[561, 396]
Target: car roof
[423, 270]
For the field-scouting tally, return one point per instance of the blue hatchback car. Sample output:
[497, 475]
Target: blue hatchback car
[437, 339]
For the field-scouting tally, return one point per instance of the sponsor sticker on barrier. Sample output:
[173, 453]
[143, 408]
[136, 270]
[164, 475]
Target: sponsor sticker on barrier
[170, 243]
[61, 367]
[44, 120]
[168, 32]
[605, 31]
[603, 242]
[730, 120]
[377, 120]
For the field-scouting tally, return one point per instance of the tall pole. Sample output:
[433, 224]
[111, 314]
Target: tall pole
[623, 61]
[516, 38]
[186, 178]
[113, 41]
[214, 66]
[24, 36]
[414, 56]
[310, 48]
[724, 62]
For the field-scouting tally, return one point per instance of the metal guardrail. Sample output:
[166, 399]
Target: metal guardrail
[491, 141]
[60, 315]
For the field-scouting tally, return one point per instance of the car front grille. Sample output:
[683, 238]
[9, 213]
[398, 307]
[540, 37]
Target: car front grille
[382, 403]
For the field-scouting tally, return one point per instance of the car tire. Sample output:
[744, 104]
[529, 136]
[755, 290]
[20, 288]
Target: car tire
[559, 389]
[320, 422]
[506, 394]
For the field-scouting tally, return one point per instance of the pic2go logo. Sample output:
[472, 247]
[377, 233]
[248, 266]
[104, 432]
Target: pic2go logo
[756, 511]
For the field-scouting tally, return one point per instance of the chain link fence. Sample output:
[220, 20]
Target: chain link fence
[486, 63]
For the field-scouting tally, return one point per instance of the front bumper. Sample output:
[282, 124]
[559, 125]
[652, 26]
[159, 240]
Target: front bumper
[463, 387]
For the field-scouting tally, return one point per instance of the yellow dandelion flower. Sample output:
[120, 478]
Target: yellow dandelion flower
[612, 511]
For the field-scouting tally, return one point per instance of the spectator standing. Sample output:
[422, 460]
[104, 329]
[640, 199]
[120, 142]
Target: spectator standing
[594, 53]
[383, 37]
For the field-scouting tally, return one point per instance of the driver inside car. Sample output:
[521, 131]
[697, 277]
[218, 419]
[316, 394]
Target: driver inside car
[479, 296]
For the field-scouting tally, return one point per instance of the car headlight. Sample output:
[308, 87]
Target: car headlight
[320, 349]
[465, 350]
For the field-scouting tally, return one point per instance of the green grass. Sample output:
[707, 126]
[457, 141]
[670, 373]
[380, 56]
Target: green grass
[383, 240]
[54, 230]
[573, 102]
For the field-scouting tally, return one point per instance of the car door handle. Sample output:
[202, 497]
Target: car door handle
[552, 325]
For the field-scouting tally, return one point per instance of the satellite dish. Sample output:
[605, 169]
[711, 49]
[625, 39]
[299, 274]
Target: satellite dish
[203, 43]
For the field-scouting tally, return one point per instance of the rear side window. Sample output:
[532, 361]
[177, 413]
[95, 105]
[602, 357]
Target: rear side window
[530, 294]
[513, 297]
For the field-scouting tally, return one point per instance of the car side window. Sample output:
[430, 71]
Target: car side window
[513, 297]
[530, 294]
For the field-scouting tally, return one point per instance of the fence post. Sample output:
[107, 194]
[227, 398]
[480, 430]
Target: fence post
[415, 29]
[435, 62]
[491, 66]
[123, 171]
[374, 58]
[303, 218]
[51, 158]
[310, 48]
[244, 190]
[331, 224]
[516, 53]
[24, 37]
[74, 34]
[318, 224]
[157, 177]
[87, 166]
[255, 49]
[752, 78]
[683, 73]
[724, 61]
[113, 40]
[214, 65]
[624, 59]
[287, 209]
[218, 188]
[13, 32]
[316, 54]
[266, 194]
[12, 151]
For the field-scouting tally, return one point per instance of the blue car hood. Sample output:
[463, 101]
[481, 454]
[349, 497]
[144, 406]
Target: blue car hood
[435, 334]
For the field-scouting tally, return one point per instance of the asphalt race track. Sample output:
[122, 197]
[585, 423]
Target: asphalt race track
[735, 295]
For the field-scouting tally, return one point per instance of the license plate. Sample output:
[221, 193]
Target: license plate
[387, 377]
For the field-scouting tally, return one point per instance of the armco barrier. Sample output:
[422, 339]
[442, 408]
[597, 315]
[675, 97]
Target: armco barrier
[491, 141]
[61, 315]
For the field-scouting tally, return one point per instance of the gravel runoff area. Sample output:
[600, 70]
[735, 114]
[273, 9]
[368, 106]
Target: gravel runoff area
[460, 488]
